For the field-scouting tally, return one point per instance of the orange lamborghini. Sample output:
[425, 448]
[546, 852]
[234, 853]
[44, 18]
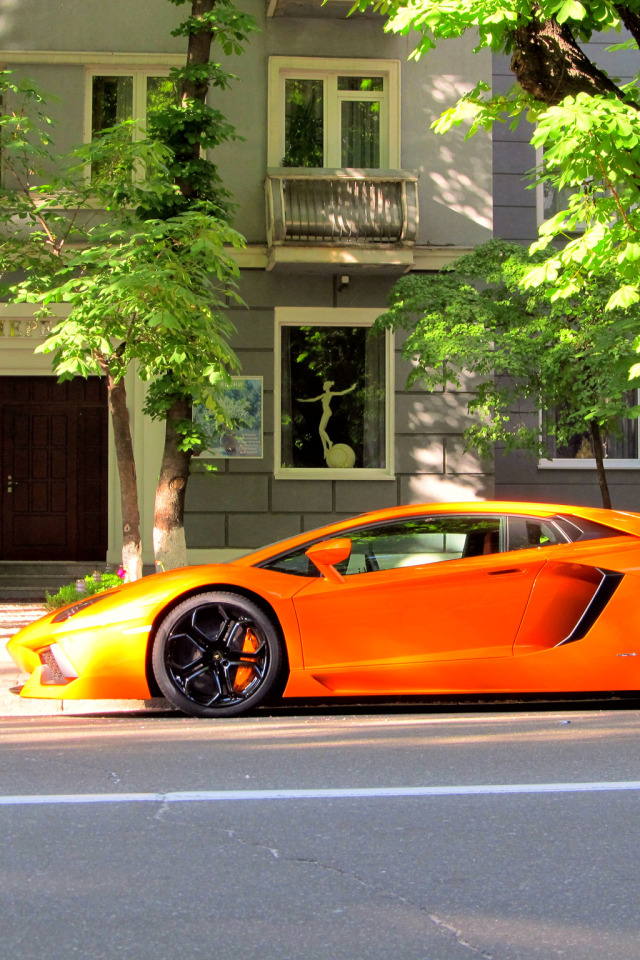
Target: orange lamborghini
[449, 599]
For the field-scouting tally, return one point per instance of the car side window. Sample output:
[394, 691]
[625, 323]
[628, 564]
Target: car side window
[419, 541]
[403, 543]
[296, 563]
[527, 532]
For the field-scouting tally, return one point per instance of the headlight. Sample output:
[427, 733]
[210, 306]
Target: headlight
[76, 608]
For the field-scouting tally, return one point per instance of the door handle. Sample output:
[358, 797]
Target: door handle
[11, 483]
[501, 573]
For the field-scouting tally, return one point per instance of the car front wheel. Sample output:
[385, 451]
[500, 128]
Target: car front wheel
[216, 655]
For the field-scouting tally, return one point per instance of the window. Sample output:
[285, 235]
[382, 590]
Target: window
[527, 532]
[412, 543]
[404, 543]
[333, 394]
[416, 541]
[620, 444]
[333, 113]
[119, 95]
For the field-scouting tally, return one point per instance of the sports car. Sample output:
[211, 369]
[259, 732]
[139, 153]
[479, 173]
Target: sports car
[448, 599]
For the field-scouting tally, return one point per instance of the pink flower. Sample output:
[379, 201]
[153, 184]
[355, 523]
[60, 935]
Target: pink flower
[122, 573]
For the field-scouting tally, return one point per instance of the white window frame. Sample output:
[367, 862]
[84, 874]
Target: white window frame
[540, 213]
[589, 463]
[282, 69]
[332, 317]
[139, 104]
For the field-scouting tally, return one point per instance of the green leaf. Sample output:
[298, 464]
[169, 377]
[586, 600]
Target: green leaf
[623, 298]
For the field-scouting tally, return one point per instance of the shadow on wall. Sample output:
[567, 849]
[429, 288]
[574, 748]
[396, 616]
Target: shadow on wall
[428, 488]
[440, 413]
[460, 172]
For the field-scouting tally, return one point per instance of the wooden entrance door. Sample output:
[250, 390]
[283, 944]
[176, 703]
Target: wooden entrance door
[54, 469]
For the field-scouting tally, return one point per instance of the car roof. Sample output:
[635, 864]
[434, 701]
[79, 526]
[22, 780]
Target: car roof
[625, 522]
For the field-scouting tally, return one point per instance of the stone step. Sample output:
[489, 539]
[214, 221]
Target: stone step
[23, 580]
[56, 567]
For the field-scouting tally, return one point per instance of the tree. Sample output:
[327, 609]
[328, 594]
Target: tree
[138, 289]
[46, 213]
[151, 284]
[569, 358]
[188, 129]
[587, 123]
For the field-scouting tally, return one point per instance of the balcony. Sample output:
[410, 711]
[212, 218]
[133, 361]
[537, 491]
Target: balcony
[341, 217]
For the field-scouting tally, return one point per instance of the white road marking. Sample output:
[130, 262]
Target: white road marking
[329, 793]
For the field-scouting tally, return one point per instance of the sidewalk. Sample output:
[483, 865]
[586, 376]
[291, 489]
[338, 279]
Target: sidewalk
[13, 616]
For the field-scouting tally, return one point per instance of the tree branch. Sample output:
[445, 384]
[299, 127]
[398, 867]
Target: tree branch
[630, 18]
[549, 64]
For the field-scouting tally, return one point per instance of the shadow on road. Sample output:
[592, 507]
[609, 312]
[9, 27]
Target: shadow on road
[376, 706]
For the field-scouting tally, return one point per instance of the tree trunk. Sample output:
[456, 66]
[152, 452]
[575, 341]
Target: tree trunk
[169, 545]
[630, 18]
[198, 51]
[549, 64]
[598, 452]
[131, 541]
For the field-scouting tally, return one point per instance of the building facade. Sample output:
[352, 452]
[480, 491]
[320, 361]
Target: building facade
[341, 186]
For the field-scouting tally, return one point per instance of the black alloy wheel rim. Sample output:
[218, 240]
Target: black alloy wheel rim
[216, 656]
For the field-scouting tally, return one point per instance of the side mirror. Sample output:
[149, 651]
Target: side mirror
[326, 554]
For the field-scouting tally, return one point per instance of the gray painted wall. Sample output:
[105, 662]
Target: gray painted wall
[455, 176]
[141, 26]
[243, 505]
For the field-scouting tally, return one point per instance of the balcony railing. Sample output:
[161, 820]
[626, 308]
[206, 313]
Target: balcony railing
[341, 207]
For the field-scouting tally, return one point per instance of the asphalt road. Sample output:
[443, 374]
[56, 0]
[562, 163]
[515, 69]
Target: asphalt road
[361, 834]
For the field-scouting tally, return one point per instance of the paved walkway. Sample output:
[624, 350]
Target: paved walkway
[14, 616]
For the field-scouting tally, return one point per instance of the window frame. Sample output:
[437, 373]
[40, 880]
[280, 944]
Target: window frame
[139, 75]
[328, 69]
[589, 463]
[332, 317]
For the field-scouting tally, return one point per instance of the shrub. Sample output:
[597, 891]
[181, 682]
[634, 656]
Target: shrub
[70, 593]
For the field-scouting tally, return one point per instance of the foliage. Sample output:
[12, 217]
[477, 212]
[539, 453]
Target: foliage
[141, 289]
[149, 282]
[525, 354]
[92, 585]
[304, 133]
[47, 202]
[587, 124]
[189, 127]
[153, 295]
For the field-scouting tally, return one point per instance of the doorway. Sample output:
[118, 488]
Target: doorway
[54, 456]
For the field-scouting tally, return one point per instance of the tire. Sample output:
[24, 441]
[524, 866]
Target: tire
[216, 655]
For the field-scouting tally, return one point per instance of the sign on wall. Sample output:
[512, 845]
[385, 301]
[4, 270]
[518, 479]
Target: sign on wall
[240, 435]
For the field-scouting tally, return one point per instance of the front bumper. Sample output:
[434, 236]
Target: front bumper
[83, 659]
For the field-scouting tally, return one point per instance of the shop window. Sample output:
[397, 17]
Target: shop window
[333, 394]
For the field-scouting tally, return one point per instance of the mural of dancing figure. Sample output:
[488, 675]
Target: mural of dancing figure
[335, 454]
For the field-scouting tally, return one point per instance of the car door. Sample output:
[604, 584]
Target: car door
[416, 591]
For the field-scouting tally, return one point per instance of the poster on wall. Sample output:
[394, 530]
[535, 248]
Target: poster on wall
[240, 436]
